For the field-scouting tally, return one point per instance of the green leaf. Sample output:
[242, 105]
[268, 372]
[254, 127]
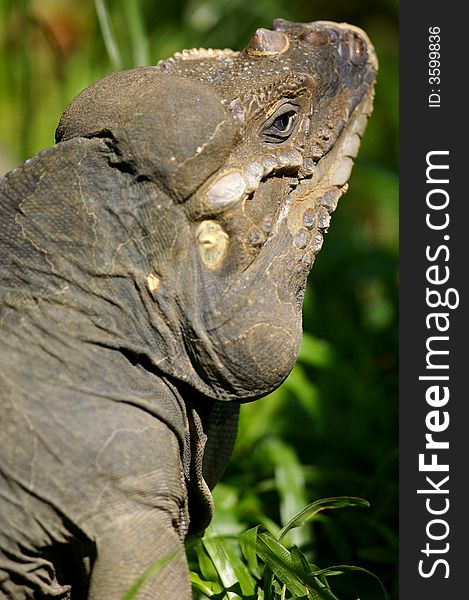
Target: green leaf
[307, 513]
[108, 35]
[319, 586]
[138, 37]
[228, 563]
[290, 482]
[246, 581]
[278, 558]
[247, 542]
[300, 562]
[207, 568]
[200, 585]
[148, 574]
[341, 569]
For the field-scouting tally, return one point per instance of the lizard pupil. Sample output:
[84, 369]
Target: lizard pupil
[283, 122]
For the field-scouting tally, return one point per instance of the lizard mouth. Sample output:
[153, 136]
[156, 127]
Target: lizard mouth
[313, 188]
[306, 191]
[315, 191]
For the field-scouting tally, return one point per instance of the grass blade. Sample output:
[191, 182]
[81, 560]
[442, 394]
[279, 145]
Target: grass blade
[278, 559]
[246, 581]
[247, 542]
[138, 36]
[108, 35]
[341, 569]
[307, 513]
[290, 483]
[216, 549]
[201, 586]
[207, 568]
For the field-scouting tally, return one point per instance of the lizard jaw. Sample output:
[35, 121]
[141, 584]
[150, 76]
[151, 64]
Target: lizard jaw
[315, 189]
[309, 179]
[306, 210]
[327, 181]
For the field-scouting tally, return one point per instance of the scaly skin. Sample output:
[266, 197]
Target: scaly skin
[151, 265]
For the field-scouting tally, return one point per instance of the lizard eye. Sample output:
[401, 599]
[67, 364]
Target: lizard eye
[281, 124]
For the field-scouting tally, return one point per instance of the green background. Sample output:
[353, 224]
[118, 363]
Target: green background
[331, 429]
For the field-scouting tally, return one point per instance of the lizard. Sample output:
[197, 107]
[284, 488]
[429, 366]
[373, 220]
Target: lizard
[153, 264]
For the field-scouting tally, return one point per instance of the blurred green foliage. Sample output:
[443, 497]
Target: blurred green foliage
[331, 429]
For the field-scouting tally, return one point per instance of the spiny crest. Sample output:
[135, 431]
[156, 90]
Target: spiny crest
[196, 54]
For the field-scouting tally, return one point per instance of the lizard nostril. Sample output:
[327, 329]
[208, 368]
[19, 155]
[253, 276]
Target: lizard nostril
[355, 46]
[315, 38]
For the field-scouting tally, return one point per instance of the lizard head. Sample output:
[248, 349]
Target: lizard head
[253, 149]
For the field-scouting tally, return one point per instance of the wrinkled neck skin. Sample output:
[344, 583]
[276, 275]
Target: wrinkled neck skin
[94, 282]
[193, 258]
